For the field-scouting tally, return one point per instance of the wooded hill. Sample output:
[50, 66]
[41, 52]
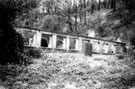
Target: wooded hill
[110, 19]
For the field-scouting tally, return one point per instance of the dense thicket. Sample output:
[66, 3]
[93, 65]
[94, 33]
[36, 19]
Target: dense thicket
[11, 43]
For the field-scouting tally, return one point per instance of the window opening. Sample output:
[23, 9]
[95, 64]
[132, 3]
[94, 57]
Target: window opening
[45, 40]
[60, 42]
[72, 43]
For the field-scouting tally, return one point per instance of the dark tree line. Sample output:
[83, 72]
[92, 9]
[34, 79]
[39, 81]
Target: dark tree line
[11, 43]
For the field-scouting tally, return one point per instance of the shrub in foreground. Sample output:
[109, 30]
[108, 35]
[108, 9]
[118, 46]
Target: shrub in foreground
[34, 53]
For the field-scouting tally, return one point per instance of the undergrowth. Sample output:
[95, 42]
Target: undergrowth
[70, 71]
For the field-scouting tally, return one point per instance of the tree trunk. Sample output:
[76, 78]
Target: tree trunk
[99, 4]
[105, 4]
[92, 7]
[76, 12]
[80, 14]
[114, 5]
[108, 4]
[84, 7]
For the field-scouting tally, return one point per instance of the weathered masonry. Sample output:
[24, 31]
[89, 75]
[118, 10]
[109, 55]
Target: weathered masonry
[58, 41]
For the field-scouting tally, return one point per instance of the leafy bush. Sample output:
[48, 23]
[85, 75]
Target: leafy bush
[34, 53]
[120, 56]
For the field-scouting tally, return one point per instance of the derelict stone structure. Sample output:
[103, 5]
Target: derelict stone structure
[67, 42]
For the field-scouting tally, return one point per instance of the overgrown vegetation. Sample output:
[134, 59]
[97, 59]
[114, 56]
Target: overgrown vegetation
[62, 71]
[33, 53]
[11, 42]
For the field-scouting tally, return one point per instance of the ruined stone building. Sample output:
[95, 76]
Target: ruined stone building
[67, 42]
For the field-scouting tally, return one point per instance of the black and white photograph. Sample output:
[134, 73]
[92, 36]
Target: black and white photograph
[67, 44]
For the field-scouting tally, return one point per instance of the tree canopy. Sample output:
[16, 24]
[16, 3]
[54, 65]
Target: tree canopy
[11, 8]
[82, 15]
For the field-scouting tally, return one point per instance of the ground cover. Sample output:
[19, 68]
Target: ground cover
[70, 71]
